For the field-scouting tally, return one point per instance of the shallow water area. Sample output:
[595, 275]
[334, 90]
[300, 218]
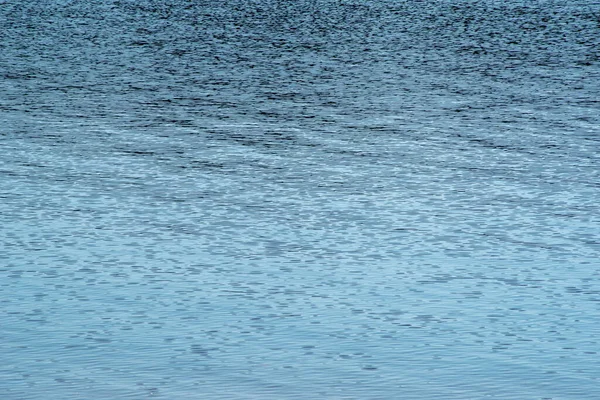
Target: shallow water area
[332, 199]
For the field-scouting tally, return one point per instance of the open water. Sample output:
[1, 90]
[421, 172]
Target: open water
[313, 199]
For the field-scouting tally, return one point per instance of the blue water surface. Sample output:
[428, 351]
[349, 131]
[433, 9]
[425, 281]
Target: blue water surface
[318, 199]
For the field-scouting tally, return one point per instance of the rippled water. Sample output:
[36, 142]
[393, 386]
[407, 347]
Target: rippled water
[290, 200]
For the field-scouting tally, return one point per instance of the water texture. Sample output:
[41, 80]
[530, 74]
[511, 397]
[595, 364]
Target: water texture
[320, 199]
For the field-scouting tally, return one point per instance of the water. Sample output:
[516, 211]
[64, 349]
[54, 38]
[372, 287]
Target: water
[291, 200]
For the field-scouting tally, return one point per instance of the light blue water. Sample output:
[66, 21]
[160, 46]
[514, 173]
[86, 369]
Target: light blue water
[322, 199]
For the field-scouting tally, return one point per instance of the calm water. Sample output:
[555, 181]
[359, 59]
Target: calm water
[319, 199]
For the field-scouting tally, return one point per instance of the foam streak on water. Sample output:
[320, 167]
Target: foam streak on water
[291, 200]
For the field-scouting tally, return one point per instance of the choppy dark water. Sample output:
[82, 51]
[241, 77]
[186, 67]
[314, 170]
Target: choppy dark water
[292, 200]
